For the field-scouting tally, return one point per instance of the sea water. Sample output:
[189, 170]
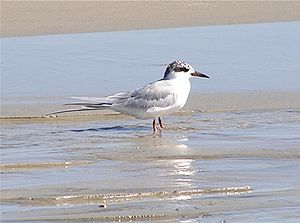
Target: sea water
[208, 165]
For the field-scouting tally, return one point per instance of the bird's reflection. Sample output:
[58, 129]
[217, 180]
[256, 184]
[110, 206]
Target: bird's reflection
[172, 156]
[181, 171]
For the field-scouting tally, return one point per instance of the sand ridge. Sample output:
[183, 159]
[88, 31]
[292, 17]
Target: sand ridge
[27, 18]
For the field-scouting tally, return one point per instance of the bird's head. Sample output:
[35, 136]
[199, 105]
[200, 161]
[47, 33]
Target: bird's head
[180, 69]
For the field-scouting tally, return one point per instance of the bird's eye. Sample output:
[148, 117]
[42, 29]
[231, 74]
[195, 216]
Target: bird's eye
[181, 69]
[184, 69]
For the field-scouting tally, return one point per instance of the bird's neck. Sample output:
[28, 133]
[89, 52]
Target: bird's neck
[176, 77]
[182, 79]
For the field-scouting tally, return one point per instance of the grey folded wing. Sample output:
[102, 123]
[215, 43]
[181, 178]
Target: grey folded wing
[157, 94]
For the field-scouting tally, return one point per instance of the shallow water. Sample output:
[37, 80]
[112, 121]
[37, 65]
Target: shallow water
[237, 57]
[232, 156]
[233, 166]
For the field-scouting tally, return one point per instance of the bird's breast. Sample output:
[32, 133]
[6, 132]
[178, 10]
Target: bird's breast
[182, 92]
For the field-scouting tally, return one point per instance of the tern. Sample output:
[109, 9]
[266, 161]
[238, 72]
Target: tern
[162, 97]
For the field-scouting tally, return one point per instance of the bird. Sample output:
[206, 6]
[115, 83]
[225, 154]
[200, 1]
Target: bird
[154, 100]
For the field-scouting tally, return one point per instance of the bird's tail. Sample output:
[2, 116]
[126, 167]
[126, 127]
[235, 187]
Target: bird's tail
[93, 104]
[90, 105]
[84, 107]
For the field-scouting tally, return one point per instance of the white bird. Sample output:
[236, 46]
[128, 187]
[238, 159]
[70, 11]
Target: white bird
[162, 97]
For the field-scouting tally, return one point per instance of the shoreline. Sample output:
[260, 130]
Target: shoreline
[27, 18]
[14, 112]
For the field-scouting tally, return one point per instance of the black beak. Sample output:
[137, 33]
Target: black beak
[199, 74]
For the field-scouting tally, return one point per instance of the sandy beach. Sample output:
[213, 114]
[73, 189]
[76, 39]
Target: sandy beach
[26, 18]
[230, 155]
[35, 110]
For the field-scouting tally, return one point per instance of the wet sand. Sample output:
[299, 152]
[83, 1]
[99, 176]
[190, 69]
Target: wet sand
[26, 18]
[36, 110]
[204, 167]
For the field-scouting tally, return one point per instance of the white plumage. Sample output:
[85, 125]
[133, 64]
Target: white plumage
[162, 97]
